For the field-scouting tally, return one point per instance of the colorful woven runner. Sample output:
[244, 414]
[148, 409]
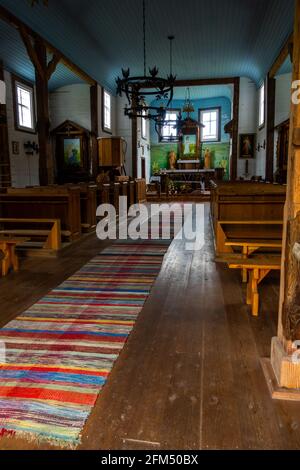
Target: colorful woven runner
[60, 351]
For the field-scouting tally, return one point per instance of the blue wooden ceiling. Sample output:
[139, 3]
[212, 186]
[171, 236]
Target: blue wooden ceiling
[214, 38]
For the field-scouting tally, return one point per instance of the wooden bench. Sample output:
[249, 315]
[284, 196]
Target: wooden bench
[88, 206]
[140, 190]
[50, 234]
[258, 268]
[10, 258]
[247, 230]
[249, 247]
[53, 202]
[245, 201]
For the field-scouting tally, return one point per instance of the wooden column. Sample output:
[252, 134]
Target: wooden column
[94, 129]
[5, 176]
[134, 151]
[271, 88]
[286, 371]
[235, 129]
[43, 121]
[37, 52]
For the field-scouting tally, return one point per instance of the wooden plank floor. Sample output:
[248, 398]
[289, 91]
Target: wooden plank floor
[189, 376]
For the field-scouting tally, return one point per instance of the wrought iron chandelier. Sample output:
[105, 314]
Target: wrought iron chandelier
[138, 88]
[177, 123]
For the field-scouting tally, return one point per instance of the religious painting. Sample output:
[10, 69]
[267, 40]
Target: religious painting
[189, 144]
[247, 145]
[72, 152]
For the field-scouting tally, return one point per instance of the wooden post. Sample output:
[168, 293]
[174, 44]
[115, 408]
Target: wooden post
[235, 129]
[287, 371]
[94, 129]
[37, 52]
[271, 88]
[5, 176]
[43, 122]
[134, 147]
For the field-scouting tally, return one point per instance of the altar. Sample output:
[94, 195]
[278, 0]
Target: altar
[189, 180]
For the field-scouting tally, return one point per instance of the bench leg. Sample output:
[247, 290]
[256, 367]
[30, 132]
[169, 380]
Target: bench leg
[252, 291]
[14, 258]
[244, 271]
[6, 261]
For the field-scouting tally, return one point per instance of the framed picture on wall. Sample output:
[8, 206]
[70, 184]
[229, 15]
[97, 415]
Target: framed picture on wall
[247, 145]
[72, 152]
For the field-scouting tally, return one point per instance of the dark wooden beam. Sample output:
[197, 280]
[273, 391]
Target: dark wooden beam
[52, 65]
[134, 148]
[235, 129]
[43, 122]
[7, 16]
[271, 89]
[283, 54]
[134, 143]
[30, 49]
[94, 128]
[5, 175]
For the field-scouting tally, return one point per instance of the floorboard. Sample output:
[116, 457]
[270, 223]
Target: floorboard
[189, 376]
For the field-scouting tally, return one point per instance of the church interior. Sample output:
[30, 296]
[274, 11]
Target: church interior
[135, 343]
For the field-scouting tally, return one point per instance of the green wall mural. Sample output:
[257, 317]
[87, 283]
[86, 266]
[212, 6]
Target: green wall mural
[160, 154]
[219, 152]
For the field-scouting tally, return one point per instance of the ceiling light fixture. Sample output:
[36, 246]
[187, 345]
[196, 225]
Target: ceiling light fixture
[138, 88]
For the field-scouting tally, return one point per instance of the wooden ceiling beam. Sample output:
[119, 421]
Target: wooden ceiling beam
[52, 65]
[284, 53]
[30, 50]
[8, 17]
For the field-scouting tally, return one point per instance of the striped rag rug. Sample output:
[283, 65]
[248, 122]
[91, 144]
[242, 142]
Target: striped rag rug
[60, 351]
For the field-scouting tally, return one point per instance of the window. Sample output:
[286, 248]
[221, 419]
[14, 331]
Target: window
[106, 111]
[24, 106]
[211, 119]
[261, 120]
[169, 130]
[144, 127]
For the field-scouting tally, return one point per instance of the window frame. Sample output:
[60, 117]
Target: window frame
[261, 125]
[163, 139]
[144, 127]
[219, 133]
[106, 129]
[30, 87]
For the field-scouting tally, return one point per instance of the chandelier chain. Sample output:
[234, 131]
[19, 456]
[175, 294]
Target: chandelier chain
[144, 35]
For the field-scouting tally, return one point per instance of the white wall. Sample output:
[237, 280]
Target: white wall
[247, 120]
[283, 98]
[24, 168]
[72, 103]
[282, 106]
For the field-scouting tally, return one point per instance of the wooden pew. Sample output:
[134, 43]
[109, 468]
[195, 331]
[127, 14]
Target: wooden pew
[10, 258]
[258, 268]
[249, 247]
[140, 190]
[88, 206]
[131, 193]
[43, 236]
[114, 194]
[230, 232]
[243, 201]
[56, 202]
